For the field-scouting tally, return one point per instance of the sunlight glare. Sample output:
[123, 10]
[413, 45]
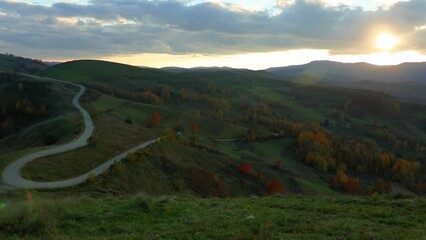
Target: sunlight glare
[386, 41]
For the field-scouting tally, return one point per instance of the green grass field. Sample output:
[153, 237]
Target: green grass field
[185, 217]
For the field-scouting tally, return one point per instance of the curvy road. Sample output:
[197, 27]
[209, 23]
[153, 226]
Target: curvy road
[12, 177]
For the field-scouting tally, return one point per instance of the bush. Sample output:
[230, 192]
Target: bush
[27, 219]
[245, 168]
[274, 187]
[142, 204]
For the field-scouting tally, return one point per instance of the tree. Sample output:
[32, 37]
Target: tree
[406, 171]
[154, 120]
[380, 186]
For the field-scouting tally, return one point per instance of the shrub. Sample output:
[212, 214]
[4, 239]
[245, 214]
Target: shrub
[274, 187]
[142, 204]
[28, 219]
[153, 120]
[245, 168]
[132, 157]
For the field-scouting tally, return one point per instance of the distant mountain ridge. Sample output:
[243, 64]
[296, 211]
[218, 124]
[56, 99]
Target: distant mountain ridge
[354, 72]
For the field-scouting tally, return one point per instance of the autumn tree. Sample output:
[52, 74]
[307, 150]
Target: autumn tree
[150, 97]
[380, 186]
[341, 181]
[154, 120]
[315, 148]
[406, 171]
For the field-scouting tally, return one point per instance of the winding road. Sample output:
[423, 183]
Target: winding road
[12, 177]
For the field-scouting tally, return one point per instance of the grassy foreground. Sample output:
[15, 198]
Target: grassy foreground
[185, 217]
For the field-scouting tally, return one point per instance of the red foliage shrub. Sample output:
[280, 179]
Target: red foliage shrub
[245, 168]
[274, 187]
[154, 120]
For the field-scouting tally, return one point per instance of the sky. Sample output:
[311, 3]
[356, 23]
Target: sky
[253, 34]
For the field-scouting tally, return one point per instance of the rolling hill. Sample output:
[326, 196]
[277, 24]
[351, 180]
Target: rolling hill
[10, 62]
[353, 72]
[229, 104]
[406, 81]
[233, 134]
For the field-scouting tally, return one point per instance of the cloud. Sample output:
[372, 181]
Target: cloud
[102, 28]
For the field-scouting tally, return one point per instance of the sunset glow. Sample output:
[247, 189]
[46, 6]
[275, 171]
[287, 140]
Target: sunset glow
[386, 41]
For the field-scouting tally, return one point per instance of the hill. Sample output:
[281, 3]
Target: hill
[405, 81]
[242, 154]
[351, 72]
[11, 63]
[105, 72]
[258, 126]
[409, 91]
[33, 113]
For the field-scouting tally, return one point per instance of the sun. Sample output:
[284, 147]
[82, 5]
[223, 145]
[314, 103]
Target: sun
[386, 41]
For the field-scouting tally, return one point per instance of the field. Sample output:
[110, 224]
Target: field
[186, 217]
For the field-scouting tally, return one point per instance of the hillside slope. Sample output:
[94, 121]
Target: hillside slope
[366, 137]
[350, 72]
[11, 63]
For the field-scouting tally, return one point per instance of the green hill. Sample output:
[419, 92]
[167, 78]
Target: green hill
[269, 117]
[104, 72]
[34, 113]
[11, 63]
[231, 140]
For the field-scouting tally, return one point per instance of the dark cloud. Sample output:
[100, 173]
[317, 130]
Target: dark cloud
[131, 26]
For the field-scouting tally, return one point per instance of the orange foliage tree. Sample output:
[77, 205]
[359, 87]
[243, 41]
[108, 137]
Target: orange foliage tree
[315, 148]
[406, 171]
[342, 181]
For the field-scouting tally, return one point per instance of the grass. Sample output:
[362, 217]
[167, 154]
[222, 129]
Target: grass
[60, 130]
[59, 124]
[293, 108]
[111, 137]
[6, 159]
[173, 167]
[185, 217]
[139, 112]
